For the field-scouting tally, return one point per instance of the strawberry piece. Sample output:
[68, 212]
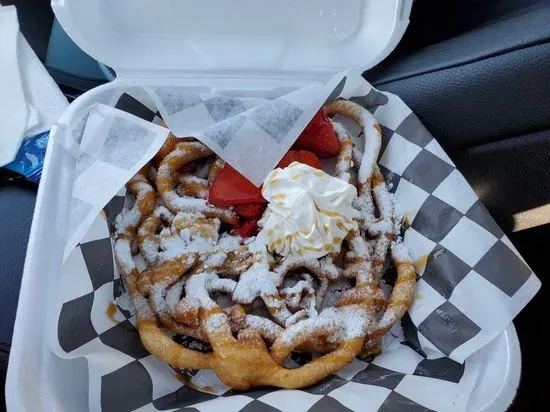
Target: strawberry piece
[231, 188]
[302, 156]
[319, 137]
[250, 211]
[248, 228]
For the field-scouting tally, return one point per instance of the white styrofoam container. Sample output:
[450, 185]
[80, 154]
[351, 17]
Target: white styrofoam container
[244, 47]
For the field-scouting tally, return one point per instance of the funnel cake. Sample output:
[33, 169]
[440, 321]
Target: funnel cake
[191, 273]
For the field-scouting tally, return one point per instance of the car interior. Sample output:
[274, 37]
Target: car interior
[477, 74]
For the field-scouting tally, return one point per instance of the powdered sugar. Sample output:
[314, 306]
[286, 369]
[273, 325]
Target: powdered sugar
[150, 249]
[392, 340]
[124, 301]
[256, 245]
[384, 201]
[293, 261]
[143, 308]
[173, 296]
[215, 321]
[265, 327]
[191, 204]
[381, 227]
[199, 346]
[228, 243]
[197, 245]
[293, 295]
[172, 247]
[127, 218]
[223, 285]
[197, 287]
[360, 248]
[371, 132]
[193, 179]
[142, 190]
[354, 322]
[188, 233]
[187, 243]
[162, 212]
[400, 252]
[334, 292]
[304, 329]
[295, 317]
[356, 155]
[338, 324]
[123, 252]
[214, 259]
[140, 263]
[190, 215]
[218, 252]
[344, 161]
[365, 205]
[329, 269]
[371, 149]
[255, 282]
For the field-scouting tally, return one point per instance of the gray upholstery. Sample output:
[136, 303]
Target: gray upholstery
[16, 209]
[511, 176]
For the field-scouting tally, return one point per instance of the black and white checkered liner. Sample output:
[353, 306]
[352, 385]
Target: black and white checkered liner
[472, 282]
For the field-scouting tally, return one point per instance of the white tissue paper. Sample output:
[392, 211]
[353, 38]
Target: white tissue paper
[114, 146]
[31, 100]
[230, 126]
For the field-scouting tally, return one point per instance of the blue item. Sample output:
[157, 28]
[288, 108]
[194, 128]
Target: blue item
[30, 157]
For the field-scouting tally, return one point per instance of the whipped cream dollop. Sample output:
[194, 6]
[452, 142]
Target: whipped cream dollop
[309, 212]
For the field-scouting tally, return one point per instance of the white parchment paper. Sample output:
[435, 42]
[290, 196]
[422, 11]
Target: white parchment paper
[114, 145]
[231, 126]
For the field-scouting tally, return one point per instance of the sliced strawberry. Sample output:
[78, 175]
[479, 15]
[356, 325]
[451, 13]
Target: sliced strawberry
[302, 156]
[248, 228]
[231, 189]
[250, 211]
[319, 137]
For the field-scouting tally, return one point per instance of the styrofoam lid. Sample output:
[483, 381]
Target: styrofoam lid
[282, 38]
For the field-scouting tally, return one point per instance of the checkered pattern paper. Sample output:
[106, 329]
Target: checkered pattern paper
[472, 282]
[112, 146]
[230, 126]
